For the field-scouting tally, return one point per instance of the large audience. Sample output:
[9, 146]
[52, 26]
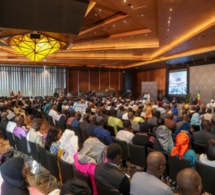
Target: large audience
[85, 138]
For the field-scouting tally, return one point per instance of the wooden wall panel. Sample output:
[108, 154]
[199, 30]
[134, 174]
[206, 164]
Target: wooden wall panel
[114, 80]
[104, 79]
[84, 80]
[94, 80]
[72, 80]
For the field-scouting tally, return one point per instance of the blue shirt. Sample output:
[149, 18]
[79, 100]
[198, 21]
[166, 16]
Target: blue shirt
[75, 123]
[103, 135]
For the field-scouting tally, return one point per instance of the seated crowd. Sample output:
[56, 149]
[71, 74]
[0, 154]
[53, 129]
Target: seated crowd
[85, 139]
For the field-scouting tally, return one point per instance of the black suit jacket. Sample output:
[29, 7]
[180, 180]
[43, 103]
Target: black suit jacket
[109, 176]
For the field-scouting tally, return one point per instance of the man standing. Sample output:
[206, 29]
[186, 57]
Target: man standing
[148, 182]
[147, 96]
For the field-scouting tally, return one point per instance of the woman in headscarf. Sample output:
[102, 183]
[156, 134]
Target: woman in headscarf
[92, 153]
[164, 136]
[181, 149]
[14, 172]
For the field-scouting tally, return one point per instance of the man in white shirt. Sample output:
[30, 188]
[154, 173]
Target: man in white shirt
[147, 96]
[34, 134]
[54, 114]
[126, 134]
[149, 182]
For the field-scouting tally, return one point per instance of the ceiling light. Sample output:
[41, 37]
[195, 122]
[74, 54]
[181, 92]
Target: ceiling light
[170, 9]
[33, 48]
[113, 25]
[124, 1]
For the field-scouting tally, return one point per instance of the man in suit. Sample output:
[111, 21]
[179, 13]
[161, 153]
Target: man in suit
[202, 137]
[108, 174]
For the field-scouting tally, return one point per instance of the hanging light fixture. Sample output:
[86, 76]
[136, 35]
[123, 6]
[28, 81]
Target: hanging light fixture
[34, 46]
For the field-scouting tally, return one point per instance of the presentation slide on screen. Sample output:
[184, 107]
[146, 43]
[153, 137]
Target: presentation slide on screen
[178, 82]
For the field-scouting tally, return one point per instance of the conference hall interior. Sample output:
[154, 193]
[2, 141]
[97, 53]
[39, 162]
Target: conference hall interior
[107, 97]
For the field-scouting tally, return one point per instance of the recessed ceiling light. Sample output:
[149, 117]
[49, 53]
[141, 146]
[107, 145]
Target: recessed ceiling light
[113, 25]
[124, 1]
[146, 35]
[124, 21]
[170, 18]
[95, 14]
[100, 10]
[169, 21]
[167, 29]
[170, 9]
[142, 15]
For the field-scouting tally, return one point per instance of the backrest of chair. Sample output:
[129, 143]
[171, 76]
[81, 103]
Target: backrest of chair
[111, 129]
[77, 131]
[176, 165]
[137, 155]
[50, 119]
[34, 151]
[207, 174]
[150, 150]
[18, 143]
[119, 128]
[43, 157]
[199, 148]
[81, 176]
[52, 164]
[11, 139]
[57, 124]
[25, 146]
[61, 126]
[102, 190]
[68, 127]
[124, 146]
[66, 170]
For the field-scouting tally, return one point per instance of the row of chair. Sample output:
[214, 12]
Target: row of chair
[57, 167]
[137, 156]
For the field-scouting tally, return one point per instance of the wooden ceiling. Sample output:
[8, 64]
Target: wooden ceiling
[132, 33]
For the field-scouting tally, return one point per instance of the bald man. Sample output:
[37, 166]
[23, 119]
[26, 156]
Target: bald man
[148, 183]
[189, 182]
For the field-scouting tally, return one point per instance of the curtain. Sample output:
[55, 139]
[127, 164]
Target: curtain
[31, 81]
